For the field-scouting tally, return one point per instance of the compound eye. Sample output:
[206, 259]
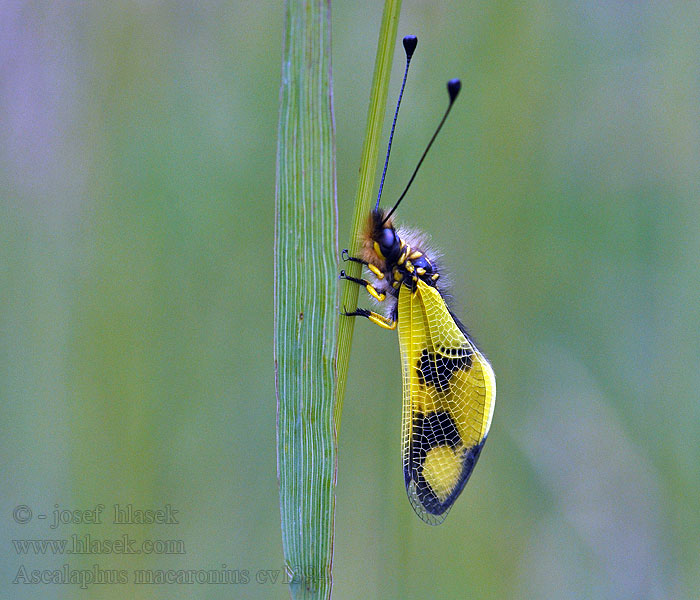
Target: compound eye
[387, 239]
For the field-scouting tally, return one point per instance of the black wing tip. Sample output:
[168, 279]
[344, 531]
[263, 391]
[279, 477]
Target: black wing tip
[426, 504]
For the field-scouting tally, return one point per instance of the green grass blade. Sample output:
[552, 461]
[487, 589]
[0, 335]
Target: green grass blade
[306, 309]
[368, 171]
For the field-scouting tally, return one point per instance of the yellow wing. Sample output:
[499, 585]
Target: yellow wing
[449, 392]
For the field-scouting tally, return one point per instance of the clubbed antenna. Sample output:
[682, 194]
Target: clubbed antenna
[409, 45]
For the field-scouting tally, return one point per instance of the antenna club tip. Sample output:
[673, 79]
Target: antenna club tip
[453, 87]
[409, 44]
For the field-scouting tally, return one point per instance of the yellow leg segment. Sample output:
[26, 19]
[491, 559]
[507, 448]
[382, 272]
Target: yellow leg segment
[375, 293]
[382, 321]
[376, 318]
[375, 270]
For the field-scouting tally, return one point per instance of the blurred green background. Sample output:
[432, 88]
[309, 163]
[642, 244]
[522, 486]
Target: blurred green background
[137, 176]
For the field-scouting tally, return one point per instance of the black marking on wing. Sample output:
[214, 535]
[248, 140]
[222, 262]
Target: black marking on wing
[435, 429]
[437, 369]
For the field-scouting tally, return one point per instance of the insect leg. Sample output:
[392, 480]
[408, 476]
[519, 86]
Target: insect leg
[345, 255]
[376, 318]
[380, 296]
